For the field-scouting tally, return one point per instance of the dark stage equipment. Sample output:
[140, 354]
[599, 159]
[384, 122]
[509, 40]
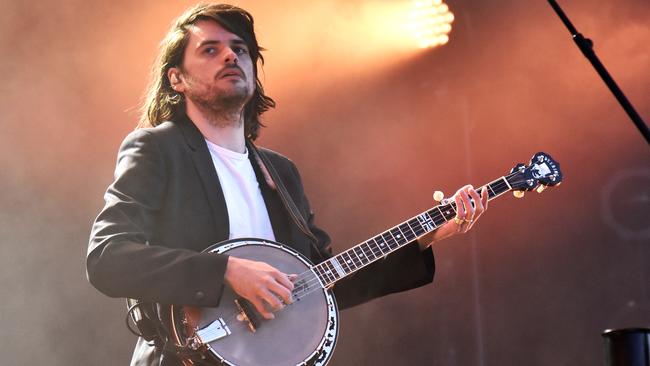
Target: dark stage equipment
[627, 347]
[587, 48]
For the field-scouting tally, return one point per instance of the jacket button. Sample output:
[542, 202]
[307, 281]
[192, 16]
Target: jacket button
[199, 295]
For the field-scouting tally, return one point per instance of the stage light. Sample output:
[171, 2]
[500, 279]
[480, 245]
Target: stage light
[351, 37]
[430, 23]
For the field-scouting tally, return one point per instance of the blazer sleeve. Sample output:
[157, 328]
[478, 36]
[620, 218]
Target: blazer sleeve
[405, 269]
[122, 260]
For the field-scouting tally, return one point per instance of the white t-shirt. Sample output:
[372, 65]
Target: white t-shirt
[247, 212]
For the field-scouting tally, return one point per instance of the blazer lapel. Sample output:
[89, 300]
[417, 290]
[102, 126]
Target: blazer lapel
[208, 175]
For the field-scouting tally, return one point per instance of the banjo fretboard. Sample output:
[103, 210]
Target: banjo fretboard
[361, 255]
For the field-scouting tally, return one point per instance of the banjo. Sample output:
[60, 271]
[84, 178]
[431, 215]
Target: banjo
[304, 333]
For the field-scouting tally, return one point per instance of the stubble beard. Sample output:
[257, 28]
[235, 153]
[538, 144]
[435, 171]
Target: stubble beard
[222, 108]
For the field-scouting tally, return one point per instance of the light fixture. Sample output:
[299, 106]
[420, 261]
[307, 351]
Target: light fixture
[431, 23]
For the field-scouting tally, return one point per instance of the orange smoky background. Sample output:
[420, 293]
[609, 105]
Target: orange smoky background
[375, 125]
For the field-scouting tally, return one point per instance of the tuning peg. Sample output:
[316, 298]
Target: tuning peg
[518, 194]
[541, 188]
[438, 196]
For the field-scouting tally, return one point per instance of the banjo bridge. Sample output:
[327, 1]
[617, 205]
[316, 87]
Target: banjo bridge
[246, 314]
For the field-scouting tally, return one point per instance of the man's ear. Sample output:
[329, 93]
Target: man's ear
[175, 79]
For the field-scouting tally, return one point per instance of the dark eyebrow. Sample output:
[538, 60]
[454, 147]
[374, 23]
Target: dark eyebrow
[215, 42]
[208, 42]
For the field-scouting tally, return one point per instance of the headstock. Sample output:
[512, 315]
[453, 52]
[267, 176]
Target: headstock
[540, 173]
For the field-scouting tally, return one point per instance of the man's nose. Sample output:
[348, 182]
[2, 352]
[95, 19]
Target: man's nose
[231, 56]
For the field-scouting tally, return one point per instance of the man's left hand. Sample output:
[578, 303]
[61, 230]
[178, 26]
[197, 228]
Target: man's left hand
[468, 211]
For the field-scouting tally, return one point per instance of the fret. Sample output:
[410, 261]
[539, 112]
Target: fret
[343, 262]
[441, 214]
[338, 271]
[449, 211]
[329, 270]
[414, 223]
[399, 237]
[408, 232]
[390, 241]
[381, 245]
[366, 252]
[491, 190]
[431, 214]
[363, 259]
[322, 274]
[498, 188]
[425, 221]
[355, 258]
[437, 216]
[316, 270]
[507, 183]
[391, 235]
[370, 251]
[349, 262]
[336, 263]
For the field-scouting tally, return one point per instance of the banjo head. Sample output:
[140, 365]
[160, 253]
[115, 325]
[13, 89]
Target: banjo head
[303, 333]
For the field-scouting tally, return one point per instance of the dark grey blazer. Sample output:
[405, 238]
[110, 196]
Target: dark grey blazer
[166, 206]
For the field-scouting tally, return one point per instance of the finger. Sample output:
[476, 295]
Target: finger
[259, 306]
[460, 213]
[272, 300]
[293, 278]
[478, 205]
[469, 209]
[286, 286]
[468, 189]
[283, 280]
[460, 208]
[484, 198]
[282, 292]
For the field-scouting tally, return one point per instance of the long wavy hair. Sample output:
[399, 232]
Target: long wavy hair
[162, 103]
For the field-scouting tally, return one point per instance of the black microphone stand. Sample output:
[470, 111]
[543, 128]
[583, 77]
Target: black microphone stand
[586, 46]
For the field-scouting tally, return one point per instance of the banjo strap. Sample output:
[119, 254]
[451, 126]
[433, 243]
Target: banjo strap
[274, 181]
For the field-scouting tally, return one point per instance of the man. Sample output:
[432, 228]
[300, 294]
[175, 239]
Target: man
[189, 177]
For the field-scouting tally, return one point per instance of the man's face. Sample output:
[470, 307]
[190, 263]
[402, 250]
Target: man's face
[217, 71]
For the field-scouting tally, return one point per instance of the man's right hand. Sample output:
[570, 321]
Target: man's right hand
[259, 283]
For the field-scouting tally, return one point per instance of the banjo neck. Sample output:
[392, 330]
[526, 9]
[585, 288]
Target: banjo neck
[350, 261]
[542, 172]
